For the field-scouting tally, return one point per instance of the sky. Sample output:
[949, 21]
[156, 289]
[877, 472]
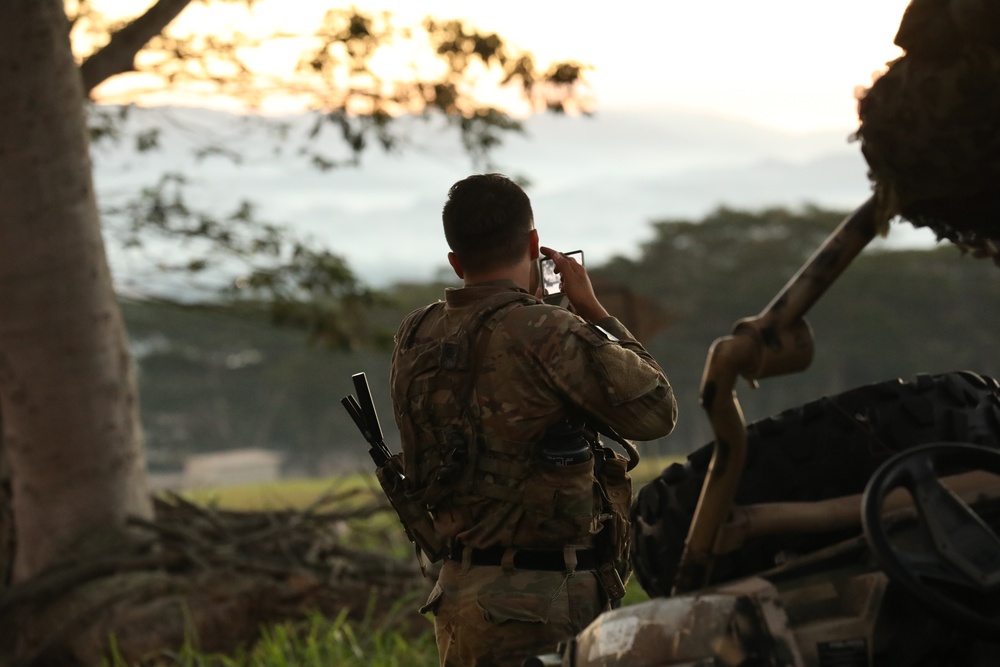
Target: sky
[784, 63]
[790, 64]
[787, 65]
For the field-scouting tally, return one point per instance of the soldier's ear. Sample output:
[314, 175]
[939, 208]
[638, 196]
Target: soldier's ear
[456, 265]
[533, 241]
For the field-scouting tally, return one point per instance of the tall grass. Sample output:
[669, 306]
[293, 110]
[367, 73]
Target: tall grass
[320, 641]
[317, 641]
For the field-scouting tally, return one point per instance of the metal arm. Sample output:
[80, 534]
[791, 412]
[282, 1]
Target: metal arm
[778, 341]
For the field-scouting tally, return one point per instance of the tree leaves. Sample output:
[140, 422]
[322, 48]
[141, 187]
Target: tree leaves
[341, 73]
[340, 76]
[239, 258]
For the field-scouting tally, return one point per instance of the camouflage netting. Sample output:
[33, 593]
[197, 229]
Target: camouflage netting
[930, 125]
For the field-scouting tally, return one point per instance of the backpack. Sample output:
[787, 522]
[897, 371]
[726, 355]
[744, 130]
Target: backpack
[437, 411]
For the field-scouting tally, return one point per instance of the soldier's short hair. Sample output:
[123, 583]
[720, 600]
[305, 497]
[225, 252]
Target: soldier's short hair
[487, 219]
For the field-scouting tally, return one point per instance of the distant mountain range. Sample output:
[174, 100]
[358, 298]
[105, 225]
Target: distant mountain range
[596, 182]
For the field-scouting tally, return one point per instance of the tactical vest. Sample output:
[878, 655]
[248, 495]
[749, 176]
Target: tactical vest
[444, 450]
[449, 460]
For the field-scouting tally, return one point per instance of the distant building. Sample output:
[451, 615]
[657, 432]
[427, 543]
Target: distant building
[232, 467]
[165, 481]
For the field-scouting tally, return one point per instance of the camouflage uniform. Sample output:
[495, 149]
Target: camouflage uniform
[539, 365]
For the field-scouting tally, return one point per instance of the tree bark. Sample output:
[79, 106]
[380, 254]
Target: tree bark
[6, 520]
[71, 432]
[118, 56]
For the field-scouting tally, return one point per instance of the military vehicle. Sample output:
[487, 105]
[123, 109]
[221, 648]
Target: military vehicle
[860, 528]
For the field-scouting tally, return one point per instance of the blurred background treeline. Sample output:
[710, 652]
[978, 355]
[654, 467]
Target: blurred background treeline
[217, 378]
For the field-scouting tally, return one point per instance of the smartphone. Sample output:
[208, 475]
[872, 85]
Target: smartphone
[550, 280]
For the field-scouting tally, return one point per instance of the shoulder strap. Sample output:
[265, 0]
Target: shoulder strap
[408, 327]
[478, 330]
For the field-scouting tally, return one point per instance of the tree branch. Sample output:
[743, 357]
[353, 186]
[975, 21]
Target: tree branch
[118, 55]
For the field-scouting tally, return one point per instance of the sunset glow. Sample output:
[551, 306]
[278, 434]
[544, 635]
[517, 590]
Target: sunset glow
[782, 63]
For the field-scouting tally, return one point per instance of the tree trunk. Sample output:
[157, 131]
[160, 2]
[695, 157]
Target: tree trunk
[6, 520]
[71, 433]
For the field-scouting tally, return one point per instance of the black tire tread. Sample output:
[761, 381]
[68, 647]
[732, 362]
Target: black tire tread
[823, 449]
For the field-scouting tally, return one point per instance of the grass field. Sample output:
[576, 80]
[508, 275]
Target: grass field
[325, 641]
[301, 493]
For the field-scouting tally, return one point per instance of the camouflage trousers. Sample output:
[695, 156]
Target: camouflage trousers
[487, 617]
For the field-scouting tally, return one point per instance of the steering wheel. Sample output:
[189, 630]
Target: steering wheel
[958, 578]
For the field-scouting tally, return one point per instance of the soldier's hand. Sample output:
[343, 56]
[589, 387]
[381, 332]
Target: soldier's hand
[576, 285]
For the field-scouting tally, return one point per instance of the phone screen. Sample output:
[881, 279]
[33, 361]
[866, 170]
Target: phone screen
[550, 280]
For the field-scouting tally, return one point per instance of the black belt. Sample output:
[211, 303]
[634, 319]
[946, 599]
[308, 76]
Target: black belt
[528, 559]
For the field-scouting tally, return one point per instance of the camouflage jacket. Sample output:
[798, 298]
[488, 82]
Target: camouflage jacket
[539, 365]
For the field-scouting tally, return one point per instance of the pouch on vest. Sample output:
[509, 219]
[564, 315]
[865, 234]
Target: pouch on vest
[614, 541]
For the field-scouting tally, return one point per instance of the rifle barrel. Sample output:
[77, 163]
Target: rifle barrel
[351, 405]
[367, 406]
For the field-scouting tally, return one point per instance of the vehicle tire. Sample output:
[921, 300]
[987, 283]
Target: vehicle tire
[826, 448]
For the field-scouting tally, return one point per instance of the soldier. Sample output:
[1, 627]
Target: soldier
[498, 397]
